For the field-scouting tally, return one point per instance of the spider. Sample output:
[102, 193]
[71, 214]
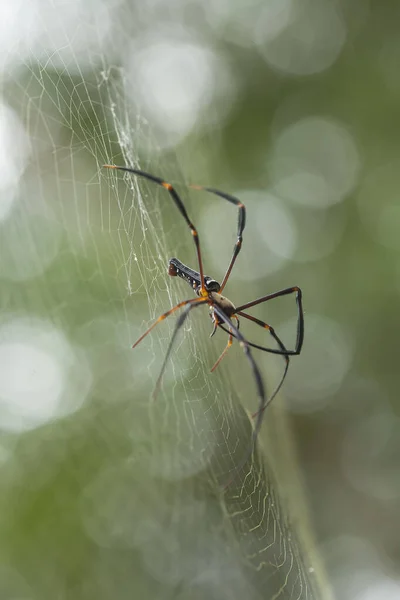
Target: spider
[222, 311]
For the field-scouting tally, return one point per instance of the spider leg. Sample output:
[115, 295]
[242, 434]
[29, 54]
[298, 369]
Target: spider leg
[180, 206]
[165, 315]
[241, 225]
[179, 324]
[283, 352]
[300, 315]
[214, 329]
[228, 345]
[259, 383]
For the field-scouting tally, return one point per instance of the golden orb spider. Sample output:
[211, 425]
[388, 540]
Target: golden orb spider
[209, 292]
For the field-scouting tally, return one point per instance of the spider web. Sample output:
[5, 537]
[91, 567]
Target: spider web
[135, 488]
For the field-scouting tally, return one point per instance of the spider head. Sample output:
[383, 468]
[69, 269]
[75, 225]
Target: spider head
[211, 284]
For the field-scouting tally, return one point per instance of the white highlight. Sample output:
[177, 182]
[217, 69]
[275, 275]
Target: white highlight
[269, 239]
[381, 587]
[378, 204]
[31, 382]
[275, 16]
[241, 22]
[29, 245]
[14, 153]
[315, 162]
[119, 513]
[304, 38]
[37, 368]
[368, 456]
[359, 569]
[319, 233]
[176, 81]
[325, 360]
[60, 32]
[276, 225]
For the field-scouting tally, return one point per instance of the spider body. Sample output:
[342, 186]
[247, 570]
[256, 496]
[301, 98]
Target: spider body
[222, 311]
[223, 303]
[177, 269]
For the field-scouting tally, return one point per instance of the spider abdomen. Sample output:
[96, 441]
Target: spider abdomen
[224, 303]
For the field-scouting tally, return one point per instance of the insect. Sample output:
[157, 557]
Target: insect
[222, 311]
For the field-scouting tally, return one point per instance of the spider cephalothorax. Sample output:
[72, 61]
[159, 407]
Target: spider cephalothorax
[222, 310]
[177, 269]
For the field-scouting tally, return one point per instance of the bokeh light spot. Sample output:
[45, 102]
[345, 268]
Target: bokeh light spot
[28, 246]
[310, 36]
[175, 80]
[324, 362]
[269, 239]
[378, 204]
[314, 162]
[370, 456]
[14, 153]
[36, 363]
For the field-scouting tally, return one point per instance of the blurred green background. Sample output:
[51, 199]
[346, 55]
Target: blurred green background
[294, 108]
